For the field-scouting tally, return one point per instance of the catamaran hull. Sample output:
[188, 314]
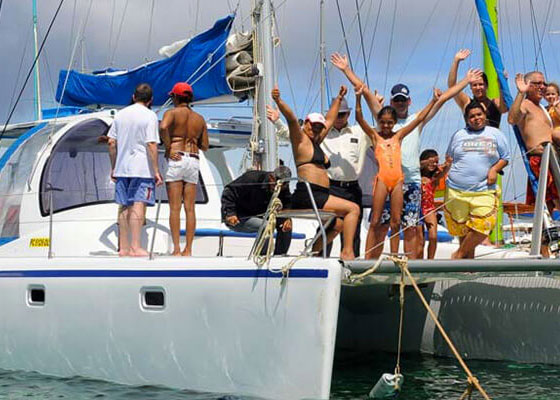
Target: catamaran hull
[225, 326]
[514, 318]
[500, 318]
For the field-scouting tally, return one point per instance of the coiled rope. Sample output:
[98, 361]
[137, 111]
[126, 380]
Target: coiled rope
[266, 238]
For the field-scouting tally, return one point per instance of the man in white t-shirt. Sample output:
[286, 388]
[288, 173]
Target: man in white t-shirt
[133, 140]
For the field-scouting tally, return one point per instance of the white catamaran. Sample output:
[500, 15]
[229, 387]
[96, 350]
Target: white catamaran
[220, 322]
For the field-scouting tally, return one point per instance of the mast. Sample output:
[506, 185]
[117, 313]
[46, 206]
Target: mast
[265, 59]
[322, 64]
[493, 93]
[36, 81]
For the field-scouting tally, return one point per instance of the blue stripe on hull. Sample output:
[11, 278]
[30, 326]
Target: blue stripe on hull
[192, 273]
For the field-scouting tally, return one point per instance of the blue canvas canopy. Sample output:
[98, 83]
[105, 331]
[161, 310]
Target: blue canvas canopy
[201, 61]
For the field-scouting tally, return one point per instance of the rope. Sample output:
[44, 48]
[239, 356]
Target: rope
[78, 39]
[522, 34]
[32, 68]
[390, 45]
[471, 379]
[401, 318]
[117, 39]
[374, 32]
[344, 34]
[436, 4]
[149, 44]
[362, 41]
[285, 64]
[402, 263]
[267, 235]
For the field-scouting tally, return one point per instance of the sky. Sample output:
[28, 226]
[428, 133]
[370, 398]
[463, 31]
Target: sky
[407, 41]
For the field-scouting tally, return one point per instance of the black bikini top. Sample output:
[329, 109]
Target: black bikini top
[493, 114]
[318, 158]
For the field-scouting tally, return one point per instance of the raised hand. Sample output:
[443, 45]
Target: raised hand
[275, 93]
[339, 61]
[359, 90]
[462, 54]
[522, 86]
[474, 74]
[272, 113]
[380, 99]
[343, 90]
[436, 94]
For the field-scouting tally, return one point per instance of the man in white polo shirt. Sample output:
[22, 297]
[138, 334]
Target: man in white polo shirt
[133, 140]
[345, 146]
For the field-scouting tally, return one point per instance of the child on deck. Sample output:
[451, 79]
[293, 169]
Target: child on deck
[552, 96]
[431, 174]
[389, 180]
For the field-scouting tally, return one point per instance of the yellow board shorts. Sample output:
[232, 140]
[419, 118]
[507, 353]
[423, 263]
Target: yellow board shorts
[470, 210]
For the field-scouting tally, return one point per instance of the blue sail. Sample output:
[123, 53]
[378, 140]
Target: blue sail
[499, 65]
[201, 61]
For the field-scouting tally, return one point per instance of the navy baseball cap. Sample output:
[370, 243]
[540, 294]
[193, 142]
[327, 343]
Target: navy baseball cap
[400, 90]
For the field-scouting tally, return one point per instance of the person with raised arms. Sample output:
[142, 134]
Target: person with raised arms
[346, 147]
[389, 179]
[312, 165]
[479, 87]
[410, 151]
[535, 125]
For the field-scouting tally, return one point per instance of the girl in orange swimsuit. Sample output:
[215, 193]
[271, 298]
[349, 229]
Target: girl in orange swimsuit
[389, 179]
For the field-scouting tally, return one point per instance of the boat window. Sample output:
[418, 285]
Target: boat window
[78, 171]
[152, 298]
[36, 295]
[16, 165]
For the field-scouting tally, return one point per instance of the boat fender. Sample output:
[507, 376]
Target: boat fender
[387, 387]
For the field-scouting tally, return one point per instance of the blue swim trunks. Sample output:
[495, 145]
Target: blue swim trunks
[131, 190]
[412, 197]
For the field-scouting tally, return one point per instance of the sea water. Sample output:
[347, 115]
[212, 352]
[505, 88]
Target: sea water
[425, 378]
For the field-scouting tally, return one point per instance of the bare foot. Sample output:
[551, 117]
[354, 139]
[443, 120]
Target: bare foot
[347, 255]
[186, 253]
[138, 252]
[455, 256]
[176, 253]
[124, 253]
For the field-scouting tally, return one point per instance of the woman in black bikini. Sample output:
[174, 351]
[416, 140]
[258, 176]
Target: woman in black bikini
[312, 166]
[494, 108]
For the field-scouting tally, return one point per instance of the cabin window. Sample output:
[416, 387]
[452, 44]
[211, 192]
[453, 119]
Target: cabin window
[16, 167]
[36, 295]
[152, 298]
[79, 170]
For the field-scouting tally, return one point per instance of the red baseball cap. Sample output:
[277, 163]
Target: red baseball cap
[181, 89]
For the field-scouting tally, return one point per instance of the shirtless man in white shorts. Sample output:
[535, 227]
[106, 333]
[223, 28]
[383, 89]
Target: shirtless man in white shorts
[183, 133]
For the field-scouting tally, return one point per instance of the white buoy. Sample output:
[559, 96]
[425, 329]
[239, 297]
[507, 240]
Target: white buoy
[387, 387]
